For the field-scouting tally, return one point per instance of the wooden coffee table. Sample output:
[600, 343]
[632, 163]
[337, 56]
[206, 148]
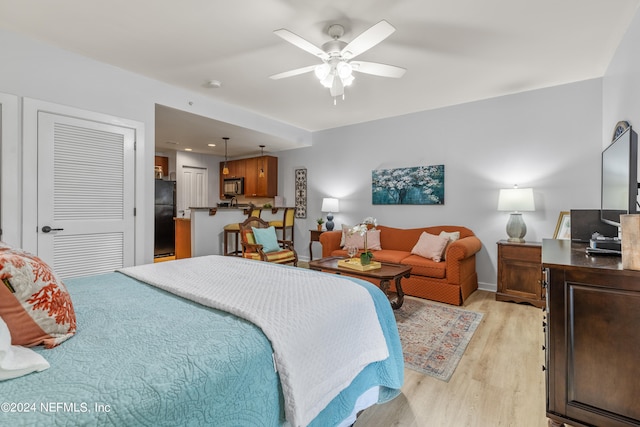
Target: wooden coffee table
[384, 276]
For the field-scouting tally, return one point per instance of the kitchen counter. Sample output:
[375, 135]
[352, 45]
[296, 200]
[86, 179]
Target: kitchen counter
[207, 224]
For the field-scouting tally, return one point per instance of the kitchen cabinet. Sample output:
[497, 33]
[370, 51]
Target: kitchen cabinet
[249, 169]
[257, 186]
[162, 162]
[236, 170]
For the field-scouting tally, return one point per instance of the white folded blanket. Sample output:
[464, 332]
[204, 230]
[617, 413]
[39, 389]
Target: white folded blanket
[16, 361]
[323, 328]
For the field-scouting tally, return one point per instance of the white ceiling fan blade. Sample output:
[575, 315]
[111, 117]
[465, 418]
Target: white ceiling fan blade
[292, 73]
[377, 69]
[298, 41]
[368, 39]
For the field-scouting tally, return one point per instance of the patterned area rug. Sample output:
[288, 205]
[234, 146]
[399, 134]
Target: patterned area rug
[434, 336]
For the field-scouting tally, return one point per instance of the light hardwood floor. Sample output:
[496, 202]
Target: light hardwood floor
[498, 382]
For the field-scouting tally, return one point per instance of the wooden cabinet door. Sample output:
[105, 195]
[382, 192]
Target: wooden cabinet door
[593, 365]
[268, 186]
[251, 177]
[520, 273]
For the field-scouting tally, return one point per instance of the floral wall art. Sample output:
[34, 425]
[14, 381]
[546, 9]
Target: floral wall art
[422, 185]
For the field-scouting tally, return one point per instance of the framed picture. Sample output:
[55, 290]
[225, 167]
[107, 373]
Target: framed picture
[563, 227]
[422, 185]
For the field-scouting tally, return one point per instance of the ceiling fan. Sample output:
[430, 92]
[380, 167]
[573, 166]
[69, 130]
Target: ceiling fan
[337, 56]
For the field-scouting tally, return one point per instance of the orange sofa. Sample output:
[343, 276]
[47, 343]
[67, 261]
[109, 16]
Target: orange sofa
[449, 281]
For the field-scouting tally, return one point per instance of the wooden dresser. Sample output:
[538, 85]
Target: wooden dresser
[520, 273]
[592, 338]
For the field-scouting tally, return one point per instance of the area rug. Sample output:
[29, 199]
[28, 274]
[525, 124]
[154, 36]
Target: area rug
[434, 336]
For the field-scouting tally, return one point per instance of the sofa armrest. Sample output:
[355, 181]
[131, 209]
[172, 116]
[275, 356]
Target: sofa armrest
[330, 241]
[463, 248]
[460, 258]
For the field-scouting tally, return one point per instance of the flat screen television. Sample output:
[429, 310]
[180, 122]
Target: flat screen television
[620, 178]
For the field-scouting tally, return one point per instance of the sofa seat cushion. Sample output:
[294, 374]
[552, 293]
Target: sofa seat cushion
[425, 267]
[390, 255]
[381, 255]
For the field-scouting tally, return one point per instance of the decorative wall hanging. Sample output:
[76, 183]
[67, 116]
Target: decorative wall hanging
[422, 185]
[301, 193]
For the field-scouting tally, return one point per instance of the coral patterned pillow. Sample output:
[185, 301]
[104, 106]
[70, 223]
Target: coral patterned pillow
[34, 303]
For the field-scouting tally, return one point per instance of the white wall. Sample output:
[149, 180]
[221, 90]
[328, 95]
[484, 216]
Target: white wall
[35, 70]
[548, 139]
[621, 93]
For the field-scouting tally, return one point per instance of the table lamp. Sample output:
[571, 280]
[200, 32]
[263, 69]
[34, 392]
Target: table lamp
[330, 205]
[516, 200]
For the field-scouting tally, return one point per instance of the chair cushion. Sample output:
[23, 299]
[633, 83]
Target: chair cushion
[277, 257]
[267, 238]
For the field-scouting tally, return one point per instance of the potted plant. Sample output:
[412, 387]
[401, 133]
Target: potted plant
[320, 221]
[367, 224]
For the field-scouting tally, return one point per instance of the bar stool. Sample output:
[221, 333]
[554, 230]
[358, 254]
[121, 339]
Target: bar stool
[234, 229]
[286, 223]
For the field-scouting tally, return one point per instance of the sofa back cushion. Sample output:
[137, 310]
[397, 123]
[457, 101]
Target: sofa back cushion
[404, 239]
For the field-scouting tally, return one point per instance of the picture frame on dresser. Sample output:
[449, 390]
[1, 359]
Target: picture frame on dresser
[563, 227]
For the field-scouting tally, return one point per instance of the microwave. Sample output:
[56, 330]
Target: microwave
[233, 186]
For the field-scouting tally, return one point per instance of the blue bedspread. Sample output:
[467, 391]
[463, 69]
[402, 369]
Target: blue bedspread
[144, 357]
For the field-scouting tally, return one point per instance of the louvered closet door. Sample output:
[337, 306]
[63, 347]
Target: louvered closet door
[85, 195]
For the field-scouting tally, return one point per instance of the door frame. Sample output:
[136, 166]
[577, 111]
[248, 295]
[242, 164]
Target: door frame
[10, 163]
[31, 108]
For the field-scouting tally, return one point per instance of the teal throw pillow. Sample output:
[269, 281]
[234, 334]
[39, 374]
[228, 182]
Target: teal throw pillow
[267, 238]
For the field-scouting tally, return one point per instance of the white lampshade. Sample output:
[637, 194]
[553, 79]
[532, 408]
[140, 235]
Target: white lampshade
[330, 205]
[516, 200]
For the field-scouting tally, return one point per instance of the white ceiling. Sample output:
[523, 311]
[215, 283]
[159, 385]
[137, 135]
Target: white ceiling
[455, 51]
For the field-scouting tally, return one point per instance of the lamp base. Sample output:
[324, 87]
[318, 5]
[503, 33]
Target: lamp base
[516, 228]
[329, 223]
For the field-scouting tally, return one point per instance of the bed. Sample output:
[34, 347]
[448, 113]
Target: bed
[145, 356]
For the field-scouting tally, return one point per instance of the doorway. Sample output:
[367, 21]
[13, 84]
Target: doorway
[84, 186]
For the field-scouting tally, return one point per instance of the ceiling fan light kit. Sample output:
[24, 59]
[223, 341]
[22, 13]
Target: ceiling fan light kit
[336, 70]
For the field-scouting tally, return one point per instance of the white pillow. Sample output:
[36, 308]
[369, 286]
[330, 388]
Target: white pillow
[430, 246]
[453, 236]
[16, 361]
[345, 230]
[357, 240]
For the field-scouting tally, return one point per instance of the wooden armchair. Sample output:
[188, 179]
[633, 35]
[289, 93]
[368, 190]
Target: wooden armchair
[271, 249]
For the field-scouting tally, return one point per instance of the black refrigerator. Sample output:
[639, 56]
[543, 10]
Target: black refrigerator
[165, 212]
